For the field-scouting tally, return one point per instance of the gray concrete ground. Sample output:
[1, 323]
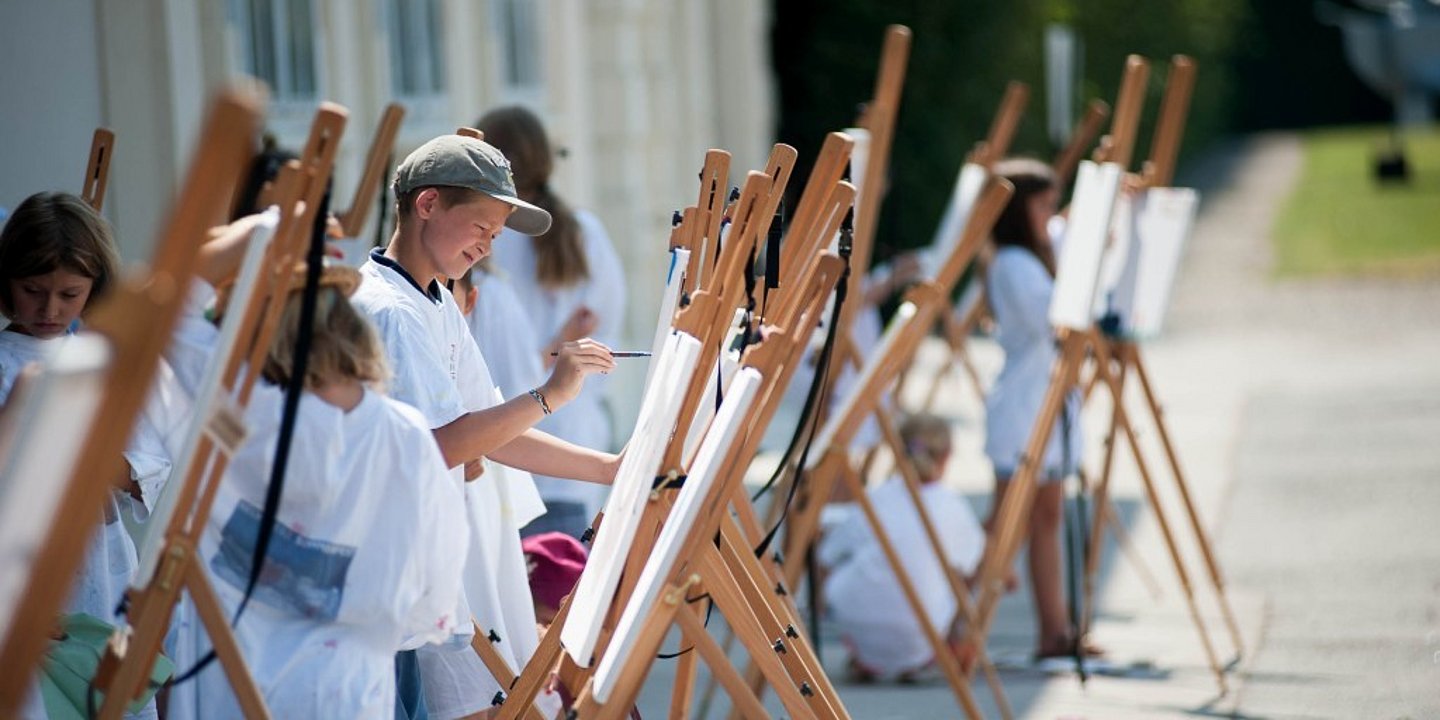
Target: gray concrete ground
[1307, 418]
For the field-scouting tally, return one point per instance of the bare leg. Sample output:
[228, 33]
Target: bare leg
[1046, 516]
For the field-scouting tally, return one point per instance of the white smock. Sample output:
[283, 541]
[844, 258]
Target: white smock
[862, 593]
[364, 560]
[585, 421]
[1018, 288]
[437, 368]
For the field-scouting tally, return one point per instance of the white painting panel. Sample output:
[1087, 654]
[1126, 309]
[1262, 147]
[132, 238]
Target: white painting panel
[666, 553]
[1096, 187]
[209, 398]
[874, 363]
[41, 435]
[1116, 254]
[968, 184]
[629, 496]
[669, 301]
[1164, 219]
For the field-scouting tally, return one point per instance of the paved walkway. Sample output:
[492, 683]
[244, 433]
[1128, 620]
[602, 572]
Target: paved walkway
[1307, 416]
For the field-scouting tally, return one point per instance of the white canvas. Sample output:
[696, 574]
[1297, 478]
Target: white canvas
[665, 554]
[968, 184]
[669, 301]
[1115, 256]
[44, 429]
[874, 362]
[717, 383]
[1096, 187]
[1164, 218]
[208, 400]
[629, 496]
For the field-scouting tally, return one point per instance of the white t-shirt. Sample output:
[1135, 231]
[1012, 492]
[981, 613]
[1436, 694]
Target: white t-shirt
[585, 420]
[364, 561]
[437, 368]
[862, 592]
[1019, 289]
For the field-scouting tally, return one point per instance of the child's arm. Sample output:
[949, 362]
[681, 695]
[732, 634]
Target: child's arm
[483, 432]
[539, 452]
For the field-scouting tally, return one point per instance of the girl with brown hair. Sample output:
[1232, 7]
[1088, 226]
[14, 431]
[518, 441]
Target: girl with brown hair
[571, 285]
[1019, 283]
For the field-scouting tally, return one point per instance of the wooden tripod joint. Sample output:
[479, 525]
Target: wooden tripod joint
[677, 593]
[97, 170]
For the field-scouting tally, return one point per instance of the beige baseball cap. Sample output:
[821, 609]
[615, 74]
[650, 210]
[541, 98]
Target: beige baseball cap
[463, 161]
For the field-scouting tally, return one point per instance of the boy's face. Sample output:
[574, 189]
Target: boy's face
[457, 237]
[46, 305]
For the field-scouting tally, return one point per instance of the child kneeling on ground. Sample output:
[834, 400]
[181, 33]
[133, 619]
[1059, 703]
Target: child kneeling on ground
[862, 593]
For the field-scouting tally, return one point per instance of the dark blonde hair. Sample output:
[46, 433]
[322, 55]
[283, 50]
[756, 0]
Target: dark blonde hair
[52, 231]
[1030, 178]
[343, 344]
[927, 442]
[560, 253]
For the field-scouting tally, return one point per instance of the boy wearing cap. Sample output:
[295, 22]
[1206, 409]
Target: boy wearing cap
[453, 196]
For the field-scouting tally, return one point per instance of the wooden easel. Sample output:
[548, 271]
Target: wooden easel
[706, 317]
[1074, 341]
[137, 320]
[977, 165]
[1124, 353]
[352, 221]
[897, 347]
[958, 329]
[729, 572]
[879, 120]
[736, 571]
[97, 170]
[124, 668]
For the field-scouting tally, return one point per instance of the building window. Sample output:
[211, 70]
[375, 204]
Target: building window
[277, 45]
[417, 66]
[519, 26]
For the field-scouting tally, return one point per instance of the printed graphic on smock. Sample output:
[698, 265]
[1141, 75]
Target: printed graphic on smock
[301, 575]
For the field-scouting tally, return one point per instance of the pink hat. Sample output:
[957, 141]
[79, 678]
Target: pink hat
[554, 560]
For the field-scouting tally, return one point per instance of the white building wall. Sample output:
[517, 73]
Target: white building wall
[634, 90]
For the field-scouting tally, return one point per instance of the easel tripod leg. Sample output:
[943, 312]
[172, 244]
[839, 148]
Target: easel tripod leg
[1168, 535]
[1206, 548]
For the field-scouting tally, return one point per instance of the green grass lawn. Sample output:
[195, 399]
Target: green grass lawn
[1341, 221]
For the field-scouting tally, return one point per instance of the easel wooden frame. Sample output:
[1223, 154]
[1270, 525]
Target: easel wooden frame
[97, 170]
[137, 319]
[978, 163]
[879, 119]
[958, 329]
[707, 316]
[897, 347]
[299, 190]
[1012, 518]
[1124, 354]
[730, 573]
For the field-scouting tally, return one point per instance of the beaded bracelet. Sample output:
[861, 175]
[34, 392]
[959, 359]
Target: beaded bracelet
[540, 398]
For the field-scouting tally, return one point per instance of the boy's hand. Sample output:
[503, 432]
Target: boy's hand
[575, 360]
